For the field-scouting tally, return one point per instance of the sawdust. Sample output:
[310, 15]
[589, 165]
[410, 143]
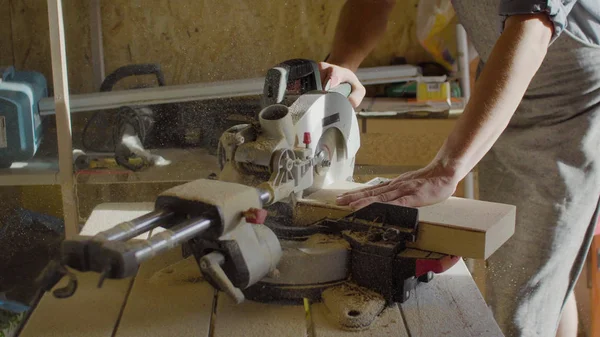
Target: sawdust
[352, 307]
[183, 272]
[320, 239]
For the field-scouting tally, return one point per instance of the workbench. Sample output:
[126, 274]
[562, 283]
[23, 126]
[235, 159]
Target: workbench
[168, 297]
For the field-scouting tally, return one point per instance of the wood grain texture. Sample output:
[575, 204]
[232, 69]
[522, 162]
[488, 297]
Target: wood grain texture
[6, 45]
[450, 305]
[203, 41]
[389, 324]
[168, 298]
[402, 142]
[31, 44]
[199, 41]
[90, 311]
[253, 319]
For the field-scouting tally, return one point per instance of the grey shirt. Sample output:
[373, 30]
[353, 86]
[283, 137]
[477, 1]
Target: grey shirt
[546, 162]
[580, 18]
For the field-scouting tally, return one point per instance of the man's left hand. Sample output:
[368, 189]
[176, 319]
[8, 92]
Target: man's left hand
[427, 186]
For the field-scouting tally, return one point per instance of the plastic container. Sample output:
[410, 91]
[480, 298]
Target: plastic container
[20, 121]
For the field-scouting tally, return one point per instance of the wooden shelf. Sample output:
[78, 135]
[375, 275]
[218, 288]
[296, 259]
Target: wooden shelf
[186, 165]
[42, 171]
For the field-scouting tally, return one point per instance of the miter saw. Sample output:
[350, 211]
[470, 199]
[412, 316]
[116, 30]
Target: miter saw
[240, 227]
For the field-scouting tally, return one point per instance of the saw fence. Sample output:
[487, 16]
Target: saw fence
[168, 297]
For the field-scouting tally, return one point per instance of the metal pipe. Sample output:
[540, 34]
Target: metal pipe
[170, 238]
[132, 228]
[210, 90]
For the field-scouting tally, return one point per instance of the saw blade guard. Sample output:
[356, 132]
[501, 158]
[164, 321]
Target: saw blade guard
[330, 119]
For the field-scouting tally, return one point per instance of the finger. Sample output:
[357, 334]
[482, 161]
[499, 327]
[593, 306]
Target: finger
[325, 72]
[406, 201]
[344, 200]
[367, 188]
[385, 197]
[357, 95]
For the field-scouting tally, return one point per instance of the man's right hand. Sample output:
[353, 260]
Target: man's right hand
[337, 75]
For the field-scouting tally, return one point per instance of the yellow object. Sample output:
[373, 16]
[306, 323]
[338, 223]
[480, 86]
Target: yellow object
[436, 30]
[433, 92]
[112, 163]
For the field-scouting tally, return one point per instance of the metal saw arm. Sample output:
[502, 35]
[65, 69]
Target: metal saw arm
[223, 222]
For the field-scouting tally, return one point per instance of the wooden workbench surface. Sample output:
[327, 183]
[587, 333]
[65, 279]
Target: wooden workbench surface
[169, 298]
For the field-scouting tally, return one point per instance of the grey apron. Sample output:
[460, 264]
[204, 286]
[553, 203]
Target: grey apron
[547, 163]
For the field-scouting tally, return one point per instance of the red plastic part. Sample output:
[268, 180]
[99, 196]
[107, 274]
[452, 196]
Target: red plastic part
[307, 139]
[256, 215]
[437, 266]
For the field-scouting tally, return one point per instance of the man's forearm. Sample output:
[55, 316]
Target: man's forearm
[361, 25]
[515, 59]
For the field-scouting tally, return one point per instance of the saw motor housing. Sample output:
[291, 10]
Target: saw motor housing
[296, 149]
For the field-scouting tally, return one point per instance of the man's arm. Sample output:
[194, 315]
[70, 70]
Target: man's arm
[514, 60]
[361, 25]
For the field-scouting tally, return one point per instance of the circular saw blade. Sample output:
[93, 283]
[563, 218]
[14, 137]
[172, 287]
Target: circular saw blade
[331, 150]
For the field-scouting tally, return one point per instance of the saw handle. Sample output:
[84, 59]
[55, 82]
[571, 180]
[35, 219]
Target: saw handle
[132, 70]
[344, 89]
[297, 74]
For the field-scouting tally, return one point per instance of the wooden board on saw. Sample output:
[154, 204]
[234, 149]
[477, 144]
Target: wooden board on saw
[463, 227]
[401, 141]
[90, 311]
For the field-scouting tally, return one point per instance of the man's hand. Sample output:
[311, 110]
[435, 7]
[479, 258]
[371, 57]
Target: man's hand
[337, 75]
[423, 187]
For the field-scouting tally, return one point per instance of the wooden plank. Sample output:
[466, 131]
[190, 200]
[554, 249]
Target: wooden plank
[186, 165]
[90, 311]
[168, 298]
[389, 323]
[450, 305]
[253, 319]
[96, 43]
[63, 116]
[457, 226]
[402, 142]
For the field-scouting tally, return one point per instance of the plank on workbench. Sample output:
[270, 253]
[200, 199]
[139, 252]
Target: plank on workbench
[389, 323]
[90, 312]
[450, 305]
[253, 319]
[168, 298]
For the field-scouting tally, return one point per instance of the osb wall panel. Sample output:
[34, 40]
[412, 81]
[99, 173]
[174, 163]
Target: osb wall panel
[195, 41]
[6, 54]
[31, 44]
[229, 39]
[405, 142]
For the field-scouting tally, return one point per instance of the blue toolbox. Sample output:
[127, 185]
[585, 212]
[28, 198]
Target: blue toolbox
[20, 120]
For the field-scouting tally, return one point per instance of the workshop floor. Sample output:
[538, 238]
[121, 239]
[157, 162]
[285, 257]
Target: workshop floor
[27, 242]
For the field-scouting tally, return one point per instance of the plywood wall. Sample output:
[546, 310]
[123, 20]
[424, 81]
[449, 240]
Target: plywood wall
[194, 41]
